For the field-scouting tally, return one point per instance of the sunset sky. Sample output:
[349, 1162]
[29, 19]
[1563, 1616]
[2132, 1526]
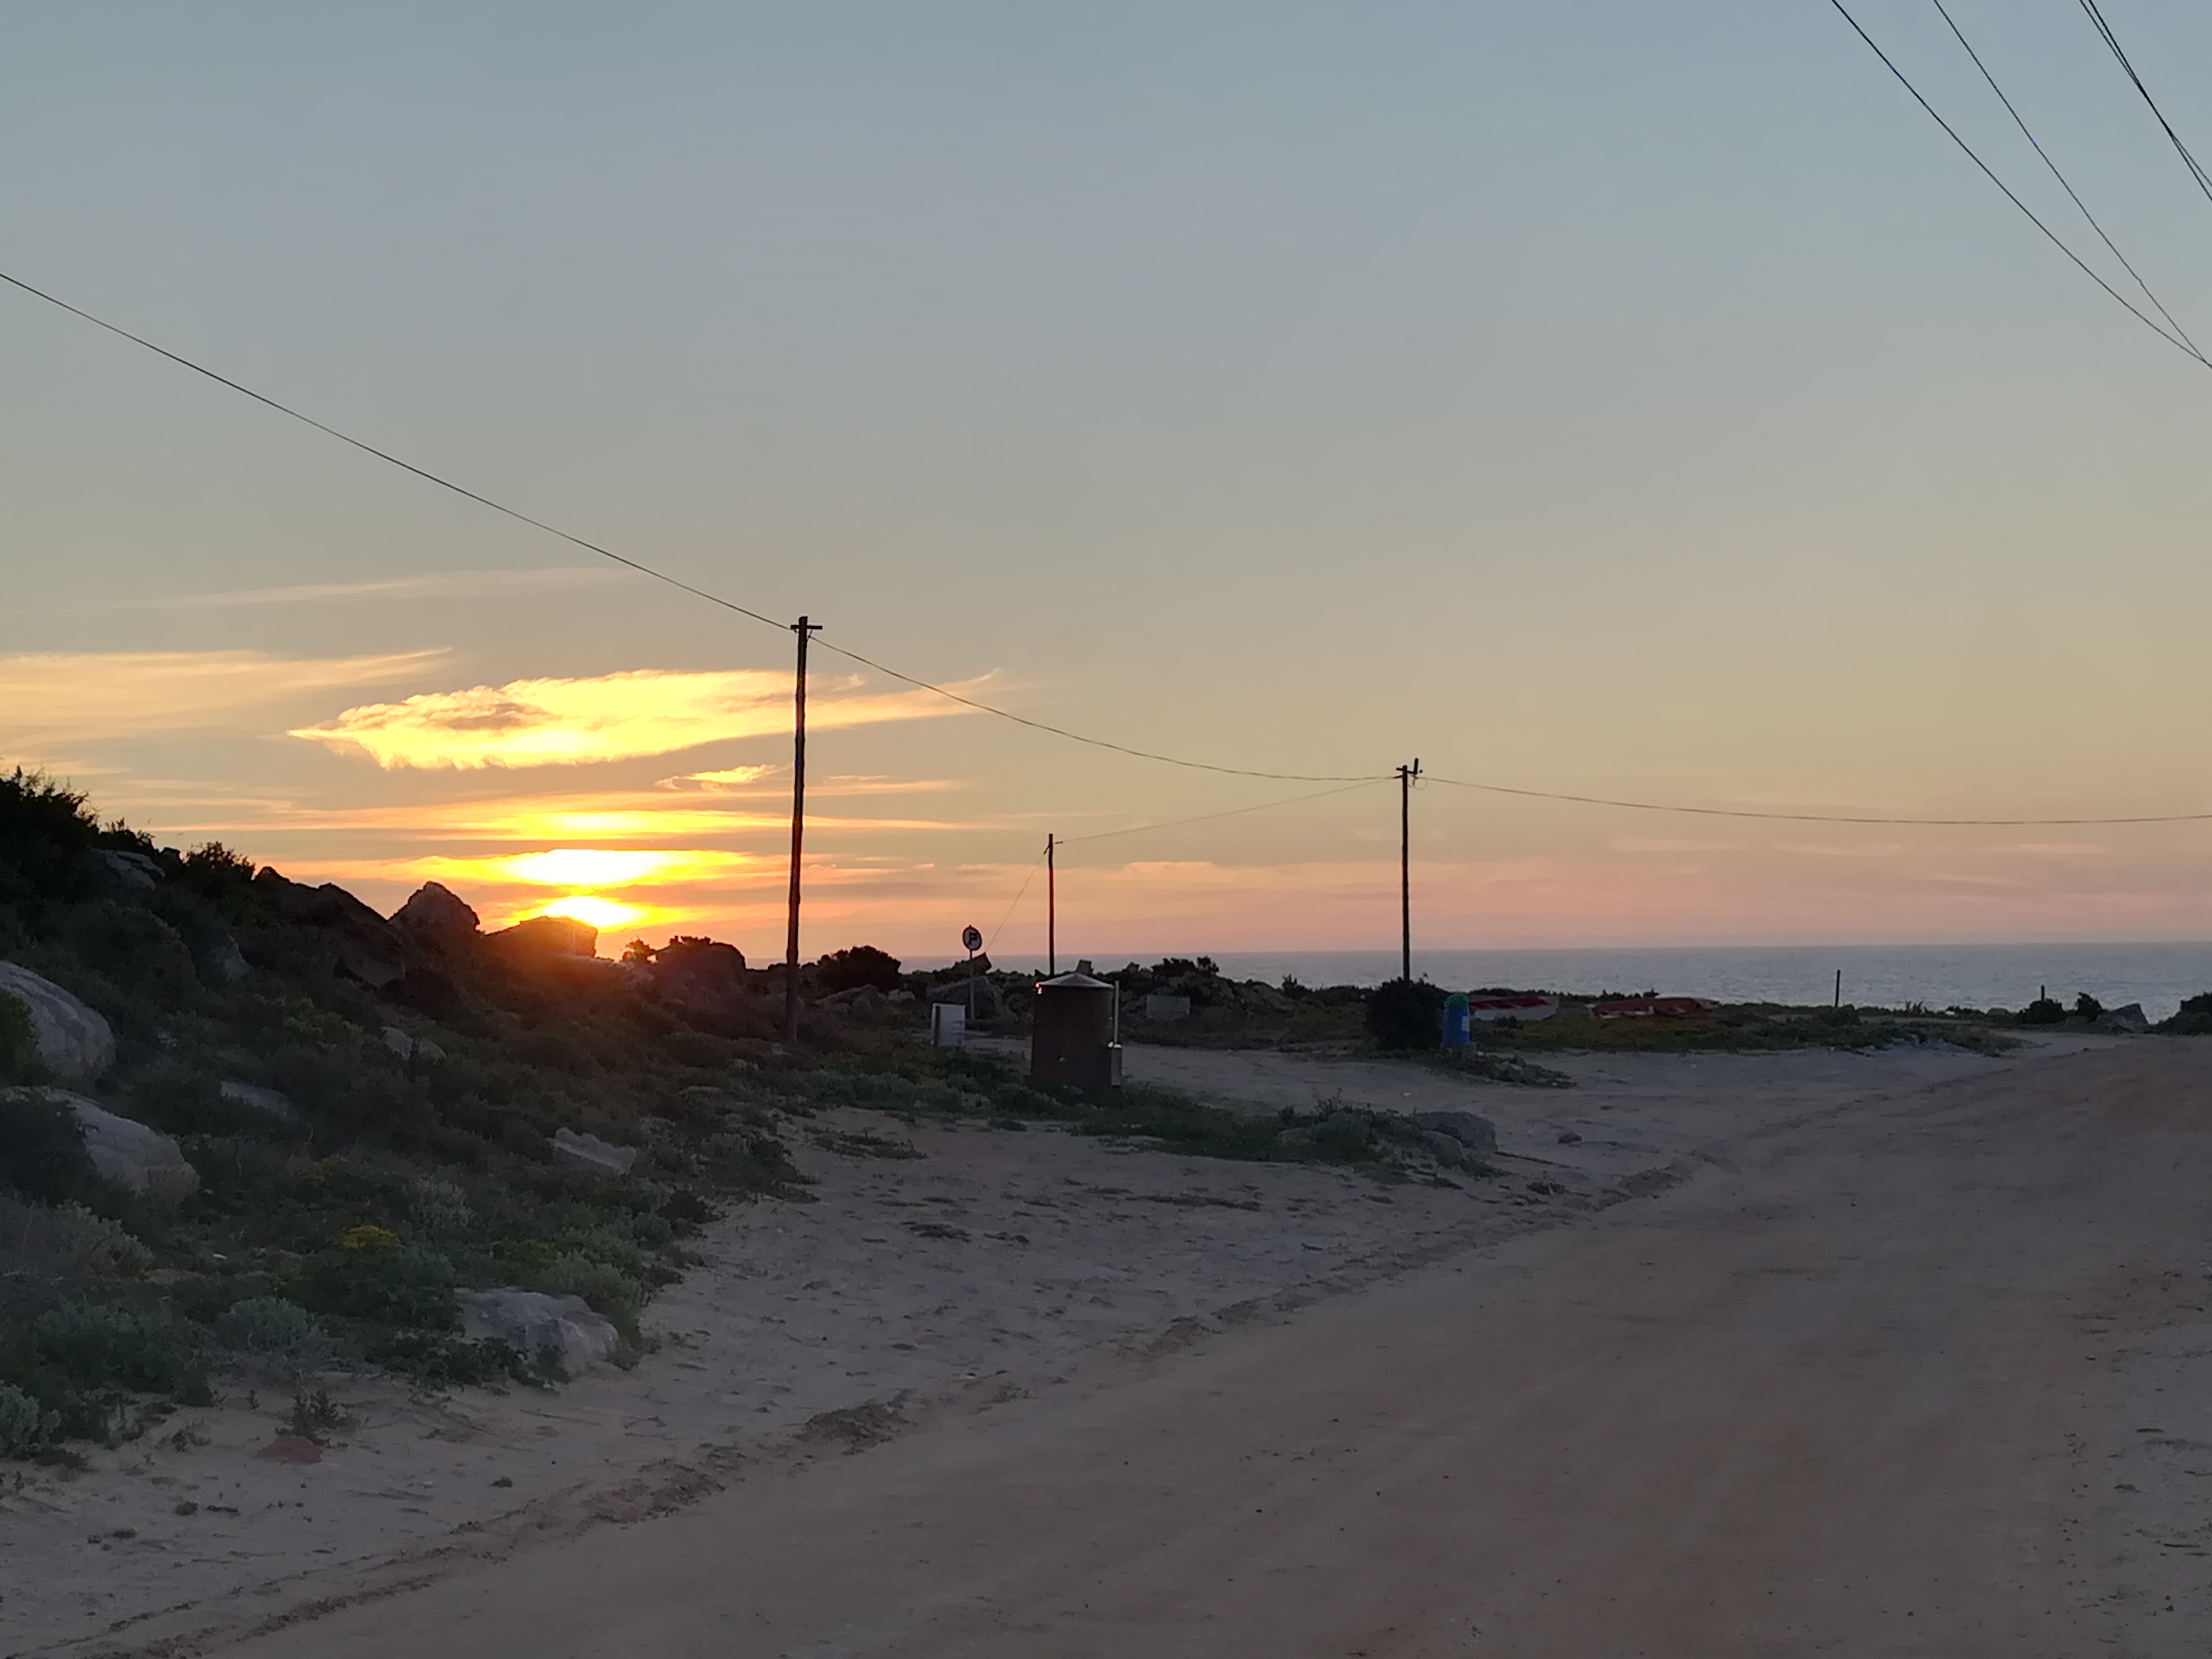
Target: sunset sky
[1595, 397]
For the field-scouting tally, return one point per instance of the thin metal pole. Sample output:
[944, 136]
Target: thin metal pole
[1406, 777]
[1051, 910]
[805, 630]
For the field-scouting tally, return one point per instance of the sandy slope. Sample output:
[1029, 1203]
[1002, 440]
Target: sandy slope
[1845, 1370]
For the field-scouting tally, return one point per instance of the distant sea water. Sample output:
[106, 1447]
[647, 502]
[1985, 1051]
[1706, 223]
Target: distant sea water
[2158, 975]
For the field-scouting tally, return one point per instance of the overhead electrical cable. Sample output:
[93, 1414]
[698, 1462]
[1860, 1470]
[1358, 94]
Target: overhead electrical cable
[2072, 195]
[2173, 339]
[1352, 780]
[1035, 865]
[1233, 812]
[1820, 817]
[2105, 32]
[645, 569]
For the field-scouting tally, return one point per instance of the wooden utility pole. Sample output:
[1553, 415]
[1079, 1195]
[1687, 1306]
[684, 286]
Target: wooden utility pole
[1406, 775]
[1051, 909]
[805, 630]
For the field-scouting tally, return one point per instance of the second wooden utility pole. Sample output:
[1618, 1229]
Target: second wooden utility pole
[1051, 910]
[805, 630]
[1406, 775]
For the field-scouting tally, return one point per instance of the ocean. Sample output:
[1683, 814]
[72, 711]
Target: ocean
[2157, 976]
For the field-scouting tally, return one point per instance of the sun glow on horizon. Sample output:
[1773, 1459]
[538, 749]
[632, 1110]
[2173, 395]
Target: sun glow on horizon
[604, 914]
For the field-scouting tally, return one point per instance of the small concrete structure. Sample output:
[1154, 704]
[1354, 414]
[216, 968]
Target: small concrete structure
[1163, 1008]
[948, 1024]
[1078, 1038]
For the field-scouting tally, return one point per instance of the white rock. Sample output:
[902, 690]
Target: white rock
[135, 870]
[276, 1104]
[126, 1153]
[74, 1041]
[563, 1327]
[590, 1152]
[407, 1046]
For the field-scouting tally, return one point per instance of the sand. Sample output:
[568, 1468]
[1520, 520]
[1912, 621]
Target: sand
[898, 1412]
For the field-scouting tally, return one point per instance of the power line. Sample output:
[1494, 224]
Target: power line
[2050, 235]
[1015, 906]
[1351, 781]
[645, 569]
[1822, 817]
[2105, 32]
[2036, 144]
[1234, 812]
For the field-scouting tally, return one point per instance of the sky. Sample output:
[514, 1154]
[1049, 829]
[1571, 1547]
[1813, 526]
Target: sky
[1598, 398]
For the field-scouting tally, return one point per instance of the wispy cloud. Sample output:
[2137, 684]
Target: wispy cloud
[53, 697]
[444, 585]
[735, 782]
[570, 722]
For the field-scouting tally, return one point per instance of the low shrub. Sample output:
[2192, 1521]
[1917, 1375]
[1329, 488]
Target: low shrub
[104, 1346]
[2044, 1010]
[42, 1152]
[24, 1426]
[273, 1331]
[410, 1287]
[608, 1290]
[440, 1360]
[67, 1246]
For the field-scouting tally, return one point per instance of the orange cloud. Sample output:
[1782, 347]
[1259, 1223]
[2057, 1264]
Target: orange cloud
[564, 722]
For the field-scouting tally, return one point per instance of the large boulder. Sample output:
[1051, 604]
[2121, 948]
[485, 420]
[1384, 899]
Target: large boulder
[368, 947]
[588, 1151]
[2130, 1021]
[703, 980]
[436, 915]
[562, 1328]
[74, 1041]
[123, 1152]
[134, 871]
[546, 936]
[1474, 1133]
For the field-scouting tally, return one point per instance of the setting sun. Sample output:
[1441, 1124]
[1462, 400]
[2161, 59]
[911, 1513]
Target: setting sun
[601, 913]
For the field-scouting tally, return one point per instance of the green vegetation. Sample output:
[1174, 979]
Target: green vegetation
[343, 1222]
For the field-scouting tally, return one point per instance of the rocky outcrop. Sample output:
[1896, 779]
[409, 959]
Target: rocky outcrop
[703, 980]
[74, 1044]
[434, 914]
[2130, 1021]
[542, 1326]
[587, 1151]
[137, 872]
[367, 946]
[124, 1153]
[220, 961]
[546, 936]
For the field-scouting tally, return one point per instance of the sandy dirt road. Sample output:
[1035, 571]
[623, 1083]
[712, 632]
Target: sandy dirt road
[1858, 1390]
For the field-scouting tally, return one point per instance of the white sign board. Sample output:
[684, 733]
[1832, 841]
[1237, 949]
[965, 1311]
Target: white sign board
[948, 1024]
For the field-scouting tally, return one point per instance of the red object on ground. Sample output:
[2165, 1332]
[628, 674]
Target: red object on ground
[1652, 1008]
